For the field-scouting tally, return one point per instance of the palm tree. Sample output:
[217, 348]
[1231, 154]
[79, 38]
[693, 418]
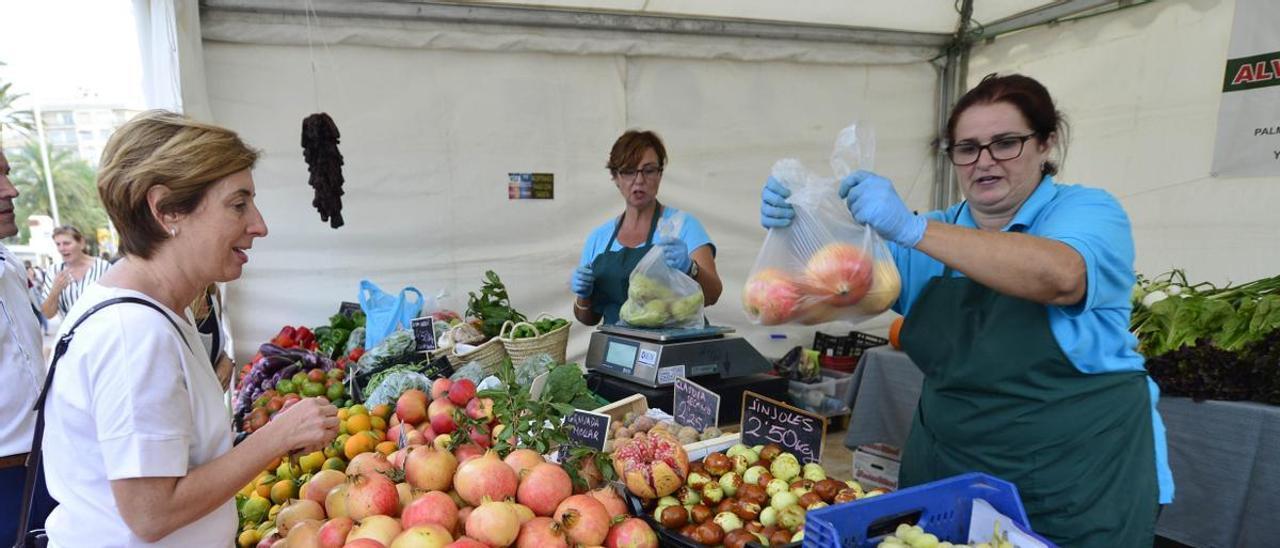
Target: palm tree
[11, 118]
[73, 181]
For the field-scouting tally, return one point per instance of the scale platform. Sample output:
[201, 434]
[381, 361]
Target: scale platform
[657, 357]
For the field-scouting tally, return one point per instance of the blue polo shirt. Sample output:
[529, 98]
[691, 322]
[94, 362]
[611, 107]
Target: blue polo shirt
[1094, 334]
[692, 233]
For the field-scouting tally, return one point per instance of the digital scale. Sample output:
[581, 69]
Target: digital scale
[656, 357]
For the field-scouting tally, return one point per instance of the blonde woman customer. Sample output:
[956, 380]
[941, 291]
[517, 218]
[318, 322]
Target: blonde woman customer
[138, 444]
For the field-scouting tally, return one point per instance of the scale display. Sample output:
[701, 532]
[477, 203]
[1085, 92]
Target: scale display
[621, 355]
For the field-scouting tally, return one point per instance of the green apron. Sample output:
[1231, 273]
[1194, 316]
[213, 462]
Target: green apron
[613, 271]
[1001, 397]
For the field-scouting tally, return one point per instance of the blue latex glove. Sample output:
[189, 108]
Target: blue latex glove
[583, 280]
[873, 202]
[775, 212]
[676, 254]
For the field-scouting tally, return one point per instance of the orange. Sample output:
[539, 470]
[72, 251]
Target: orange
[382, 410]
[282, 491]
[378, 423]
[895, 333]
[358, 423]
[358, 444]
[342, 414]
[386, 447]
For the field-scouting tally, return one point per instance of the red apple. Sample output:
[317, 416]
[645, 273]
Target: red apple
[440, 388]
[462, 391]
[480, 409]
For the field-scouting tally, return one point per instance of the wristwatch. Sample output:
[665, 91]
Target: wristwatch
[693, 269]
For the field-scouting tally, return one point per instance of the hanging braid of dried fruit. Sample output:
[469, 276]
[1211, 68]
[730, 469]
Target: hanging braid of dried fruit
[320, 148]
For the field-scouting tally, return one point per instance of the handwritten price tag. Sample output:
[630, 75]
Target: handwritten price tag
[588, 429]
[695, 406]
[765, 420]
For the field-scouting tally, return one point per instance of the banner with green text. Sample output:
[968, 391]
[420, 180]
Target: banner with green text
[1248, 143]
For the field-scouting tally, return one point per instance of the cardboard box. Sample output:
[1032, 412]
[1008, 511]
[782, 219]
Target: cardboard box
[875, 470]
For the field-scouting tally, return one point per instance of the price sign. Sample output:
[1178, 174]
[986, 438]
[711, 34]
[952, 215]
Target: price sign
[424, 334]
[348, 309]
[588, 429]
[766, 420]
[695, 406]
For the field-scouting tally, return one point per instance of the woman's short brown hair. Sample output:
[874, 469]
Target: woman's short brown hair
[69, 230]
[629, 149]
[163, 148]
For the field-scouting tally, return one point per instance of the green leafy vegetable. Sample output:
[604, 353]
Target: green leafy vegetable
[492, 306]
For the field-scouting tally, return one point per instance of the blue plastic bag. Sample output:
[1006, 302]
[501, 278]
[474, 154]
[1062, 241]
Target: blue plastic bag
[385, 312]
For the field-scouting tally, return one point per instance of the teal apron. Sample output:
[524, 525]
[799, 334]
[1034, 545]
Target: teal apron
[613, 271]
[1001, 397]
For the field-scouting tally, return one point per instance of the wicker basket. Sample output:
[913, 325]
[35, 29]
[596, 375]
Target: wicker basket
[554, 342]
[489, 355]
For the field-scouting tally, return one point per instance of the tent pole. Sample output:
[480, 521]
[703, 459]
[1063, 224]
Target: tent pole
[954, 74]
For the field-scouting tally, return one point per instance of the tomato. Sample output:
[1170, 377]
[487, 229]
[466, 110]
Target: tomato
[257, 419]
[285, 386]
[290, 400]
[335, 391]
[335, 374]
[312, 389]
[315, 375]
[275, 404]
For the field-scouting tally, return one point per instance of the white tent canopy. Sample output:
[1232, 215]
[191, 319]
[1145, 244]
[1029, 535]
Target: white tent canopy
[438, 102]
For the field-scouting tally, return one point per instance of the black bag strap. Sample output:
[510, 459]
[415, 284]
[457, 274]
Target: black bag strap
[33, 458]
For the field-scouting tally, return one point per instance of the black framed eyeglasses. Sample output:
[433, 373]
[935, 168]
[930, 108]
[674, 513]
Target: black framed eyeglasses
[1004, 148]
[650, 173]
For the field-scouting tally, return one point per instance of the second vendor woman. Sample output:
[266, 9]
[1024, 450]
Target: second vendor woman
[614, 248]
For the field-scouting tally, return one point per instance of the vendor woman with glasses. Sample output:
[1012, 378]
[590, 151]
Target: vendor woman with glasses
[1017, 311]
[615, 247]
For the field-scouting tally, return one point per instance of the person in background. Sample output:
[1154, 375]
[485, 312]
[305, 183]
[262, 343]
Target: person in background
[208, 314]
[35, 282]
[67, 280]
[22, 375]
[138, 440]
[614, 248]
[1017, 305]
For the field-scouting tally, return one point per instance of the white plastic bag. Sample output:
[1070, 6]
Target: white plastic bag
[660, 296]
[825, 266]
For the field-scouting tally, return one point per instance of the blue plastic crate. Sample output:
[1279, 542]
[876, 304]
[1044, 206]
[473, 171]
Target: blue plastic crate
[943, 508]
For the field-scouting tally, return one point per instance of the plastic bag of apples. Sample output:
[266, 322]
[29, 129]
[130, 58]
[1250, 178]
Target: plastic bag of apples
[825, 266]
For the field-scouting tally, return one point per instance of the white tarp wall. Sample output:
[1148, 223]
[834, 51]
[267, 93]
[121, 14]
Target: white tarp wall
[1141, 89]
[433, 119]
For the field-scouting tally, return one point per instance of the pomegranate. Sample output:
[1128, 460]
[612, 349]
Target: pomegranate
[366, 463]
[422, 536]
[468, 451]
[652, 464]
[364, 543]
[380, 528]
[304, 533]
[443, 422]
[485, 476]
[333, 534]
[428, 435]
[523, 512]
[439, 407]
[631, 533]
[840, 273]
[463, 514]
[462, 391]
[480, 409]
[427, 468]
[318, 487]
[543, 488]
[295, 512]
[591, 473]
[583, 519]
[466, 542]
[611, 501]
[523, 459]
[335, 503]
[410, 408]
[440, 388]
[433, 507]
[771, 297]
[541, 533]
[371, 495]
[493, 523]
[411, 438]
